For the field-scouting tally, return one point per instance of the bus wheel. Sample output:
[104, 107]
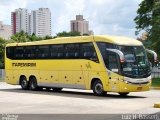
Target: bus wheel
[33, 84]
[98, 88]
[57, 89]
[24, 83]
[124, 94]
[48, 89]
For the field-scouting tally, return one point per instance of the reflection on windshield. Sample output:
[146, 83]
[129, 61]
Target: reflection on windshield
[129, 58]
[136, 62]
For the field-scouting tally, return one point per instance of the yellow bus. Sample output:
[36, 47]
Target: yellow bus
[99, 63]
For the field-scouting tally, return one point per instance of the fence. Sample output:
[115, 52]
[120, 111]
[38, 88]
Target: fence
[155, 75]
[155, 72]
[2, 74]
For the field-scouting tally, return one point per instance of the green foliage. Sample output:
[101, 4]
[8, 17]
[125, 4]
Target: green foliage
[148, 19]
[156, 82]
[48, 37]
[24, 37]
[85, 34]
[67, 34]
[2, 47]
[20, 37]
[33, 37]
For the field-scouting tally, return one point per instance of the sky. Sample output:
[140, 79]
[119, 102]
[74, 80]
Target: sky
[106, 17]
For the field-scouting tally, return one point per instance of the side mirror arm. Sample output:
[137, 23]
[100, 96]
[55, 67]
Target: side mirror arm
[121, 55]
[154, 54]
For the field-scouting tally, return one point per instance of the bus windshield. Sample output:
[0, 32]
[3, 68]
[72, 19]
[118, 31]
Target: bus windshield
[136, 62]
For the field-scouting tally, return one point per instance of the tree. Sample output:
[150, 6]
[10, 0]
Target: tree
[33, 37]
[48, 37]
[148, 20]
[25, 37]
[2, 47]
[85, 34]
[67, 34]
[21, 37]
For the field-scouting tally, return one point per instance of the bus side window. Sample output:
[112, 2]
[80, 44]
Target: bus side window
[30, 52]
[71, 51]
[103, 46]
[10, 52]
[88, 52]
[43, 51]
[76, 51]
[19, 53]
[56, 51]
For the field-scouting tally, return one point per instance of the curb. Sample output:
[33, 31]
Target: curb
[157, 105]
[155, 88]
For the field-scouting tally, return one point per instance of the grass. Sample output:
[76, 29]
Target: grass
[156, 82]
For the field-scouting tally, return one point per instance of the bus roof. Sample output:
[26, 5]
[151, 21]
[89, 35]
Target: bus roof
[99, 38]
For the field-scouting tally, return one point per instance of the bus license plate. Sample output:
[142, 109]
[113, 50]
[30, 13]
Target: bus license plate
[139, 88]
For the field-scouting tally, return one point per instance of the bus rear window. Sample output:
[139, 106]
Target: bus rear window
[10, 52]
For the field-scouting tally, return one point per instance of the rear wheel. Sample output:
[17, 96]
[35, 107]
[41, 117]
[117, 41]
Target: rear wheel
[33, 84]
[24, 83]
[98, 88]
[48, 89]
[57, 89]
[124, 94]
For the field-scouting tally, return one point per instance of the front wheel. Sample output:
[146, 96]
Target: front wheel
[98, 88]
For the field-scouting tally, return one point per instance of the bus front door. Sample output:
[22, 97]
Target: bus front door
[113, 71]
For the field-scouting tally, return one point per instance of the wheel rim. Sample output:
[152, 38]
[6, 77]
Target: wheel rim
[24, 83]
[33, 85]
[99, 88]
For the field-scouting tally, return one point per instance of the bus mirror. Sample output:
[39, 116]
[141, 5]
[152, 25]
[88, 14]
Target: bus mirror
[120, 54]
[154, 54]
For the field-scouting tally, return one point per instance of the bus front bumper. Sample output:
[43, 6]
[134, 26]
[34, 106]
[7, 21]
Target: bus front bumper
[129, 87]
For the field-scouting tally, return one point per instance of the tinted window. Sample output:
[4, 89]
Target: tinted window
[19, 53]
[43, 51]
[56, 51]
[66, 51]
[113, 63]
[30, 52]
[103, 46]
[10, 52]
[71, 51]
[88, 52]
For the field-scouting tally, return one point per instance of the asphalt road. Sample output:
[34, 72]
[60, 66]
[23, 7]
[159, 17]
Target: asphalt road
[70, 102]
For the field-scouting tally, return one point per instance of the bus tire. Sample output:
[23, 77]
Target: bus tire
[124, 94]
[33, 84]
[24, 83]
[57, 89]
[98, 88]
[48, 89]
